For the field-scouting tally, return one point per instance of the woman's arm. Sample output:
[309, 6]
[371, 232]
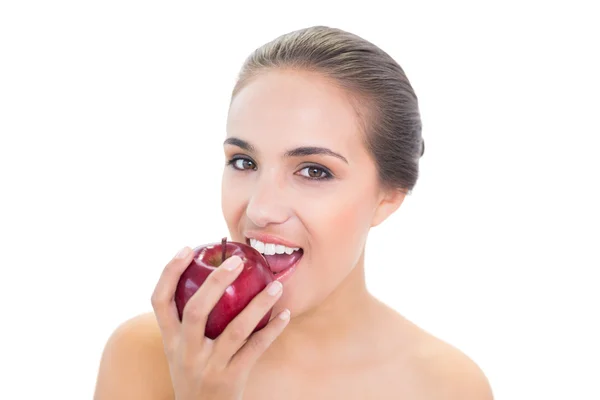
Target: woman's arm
[133, 364]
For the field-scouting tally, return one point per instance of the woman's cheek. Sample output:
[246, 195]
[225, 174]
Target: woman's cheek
[344, 232]
[232, 198]
[234, 186]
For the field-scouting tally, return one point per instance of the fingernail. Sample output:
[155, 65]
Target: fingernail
[285, 315]
[232, 263]
[183, 252]
[274, 288]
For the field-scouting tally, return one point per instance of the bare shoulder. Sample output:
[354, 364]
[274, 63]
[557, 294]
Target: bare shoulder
[133, 363]
[421, 366]
[448, 373]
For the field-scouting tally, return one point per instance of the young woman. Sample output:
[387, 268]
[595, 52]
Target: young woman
[323, 142]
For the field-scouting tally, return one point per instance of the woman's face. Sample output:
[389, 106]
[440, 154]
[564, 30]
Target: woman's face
[298, 170]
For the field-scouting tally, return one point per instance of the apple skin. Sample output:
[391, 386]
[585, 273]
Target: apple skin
[255, 276]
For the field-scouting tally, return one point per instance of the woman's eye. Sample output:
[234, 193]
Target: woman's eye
[315, 173]
[242, 163]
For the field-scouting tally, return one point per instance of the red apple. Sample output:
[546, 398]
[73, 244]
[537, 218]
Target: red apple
[255, 276]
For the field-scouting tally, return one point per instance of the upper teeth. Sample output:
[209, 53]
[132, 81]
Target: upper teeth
[270, 248]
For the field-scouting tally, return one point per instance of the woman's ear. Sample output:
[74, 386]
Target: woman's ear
[389, 202]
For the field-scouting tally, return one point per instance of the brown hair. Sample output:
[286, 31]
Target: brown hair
[378, 87]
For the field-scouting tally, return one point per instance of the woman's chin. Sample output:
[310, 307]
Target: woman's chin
[281, 305]
[296, 306]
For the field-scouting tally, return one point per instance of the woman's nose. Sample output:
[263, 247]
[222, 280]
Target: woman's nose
[267, 204]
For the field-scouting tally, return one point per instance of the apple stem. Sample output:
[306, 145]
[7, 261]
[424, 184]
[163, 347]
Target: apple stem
[223, 245]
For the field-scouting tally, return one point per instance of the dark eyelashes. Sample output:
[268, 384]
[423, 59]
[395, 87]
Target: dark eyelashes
[232, 161]
[327, 173]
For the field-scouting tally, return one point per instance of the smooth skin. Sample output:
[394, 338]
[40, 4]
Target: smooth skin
[341, 342]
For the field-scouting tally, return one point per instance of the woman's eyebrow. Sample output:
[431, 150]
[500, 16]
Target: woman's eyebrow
[297, 152]
[239, 143]
[312, 150]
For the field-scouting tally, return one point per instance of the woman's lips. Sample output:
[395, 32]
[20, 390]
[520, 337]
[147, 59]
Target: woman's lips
[288, 272]
[282, 272]
[281, 262]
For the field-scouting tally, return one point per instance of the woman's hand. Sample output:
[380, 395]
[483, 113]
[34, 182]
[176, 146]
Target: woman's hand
[217, 369]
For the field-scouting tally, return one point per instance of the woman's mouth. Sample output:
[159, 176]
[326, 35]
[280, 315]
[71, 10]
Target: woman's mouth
[281, 258]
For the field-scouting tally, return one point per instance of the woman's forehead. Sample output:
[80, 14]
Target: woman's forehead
[292, 106]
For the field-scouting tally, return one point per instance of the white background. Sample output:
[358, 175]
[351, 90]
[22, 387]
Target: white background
[112, 117]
